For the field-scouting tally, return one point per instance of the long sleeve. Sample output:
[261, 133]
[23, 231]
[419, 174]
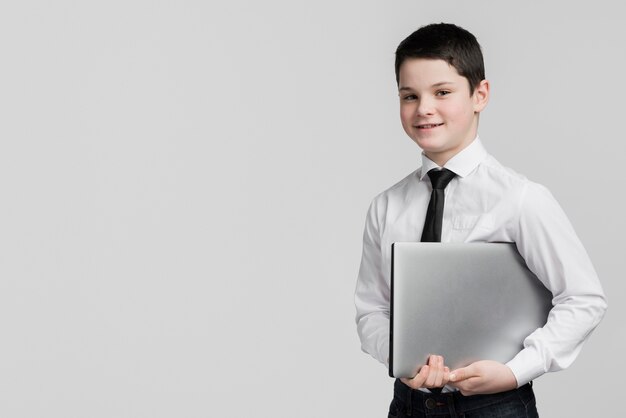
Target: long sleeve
[548, 243]
[372, 293]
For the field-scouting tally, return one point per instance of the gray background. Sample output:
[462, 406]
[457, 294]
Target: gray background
[184, 186]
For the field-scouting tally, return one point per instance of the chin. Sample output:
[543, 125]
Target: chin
[429, 145]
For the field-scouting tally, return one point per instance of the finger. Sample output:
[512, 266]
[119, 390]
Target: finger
[418, 380]
[430, 378]
[439, 375]
[457, 375]
[462, 374]
[446, 376]
[421, 377]
[461, 386]
[436, 372]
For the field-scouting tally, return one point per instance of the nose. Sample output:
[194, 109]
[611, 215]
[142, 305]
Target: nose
[425, 107]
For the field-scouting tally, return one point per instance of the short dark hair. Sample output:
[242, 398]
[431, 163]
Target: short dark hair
[448, 42]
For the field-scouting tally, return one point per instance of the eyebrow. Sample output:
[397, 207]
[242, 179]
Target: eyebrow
[441, 83]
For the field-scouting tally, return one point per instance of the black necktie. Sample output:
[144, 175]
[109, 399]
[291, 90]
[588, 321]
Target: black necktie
[434, 215]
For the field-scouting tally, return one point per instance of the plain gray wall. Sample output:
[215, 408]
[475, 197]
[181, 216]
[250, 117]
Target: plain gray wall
[184, 186]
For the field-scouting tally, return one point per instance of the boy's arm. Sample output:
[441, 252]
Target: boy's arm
[548, 243]
[372, 293]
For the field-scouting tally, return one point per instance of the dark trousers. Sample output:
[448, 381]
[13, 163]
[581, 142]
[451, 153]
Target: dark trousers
[515, 403]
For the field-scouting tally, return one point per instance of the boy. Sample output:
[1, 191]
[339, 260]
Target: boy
[442, 89]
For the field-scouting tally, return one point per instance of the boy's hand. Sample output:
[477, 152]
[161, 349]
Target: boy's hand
[432, 375]
[483, 377]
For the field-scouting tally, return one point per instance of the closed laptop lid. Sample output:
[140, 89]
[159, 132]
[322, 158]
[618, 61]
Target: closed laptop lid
[464, 301]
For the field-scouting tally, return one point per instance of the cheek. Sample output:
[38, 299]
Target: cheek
[406, 115]
[458, 113]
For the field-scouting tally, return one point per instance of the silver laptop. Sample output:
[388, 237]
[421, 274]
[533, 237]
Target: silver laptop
[464, 301]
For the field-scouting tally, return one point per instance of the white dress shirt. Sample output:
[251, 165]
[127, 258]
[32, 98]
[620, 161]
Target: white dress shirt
[485, 202]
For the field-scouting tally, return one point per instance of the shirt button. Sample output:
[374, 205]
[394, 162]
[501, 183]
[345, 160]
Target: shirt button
[430, 403]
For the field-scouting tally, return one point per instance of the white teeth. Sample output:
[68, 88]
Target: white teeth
[432, 125]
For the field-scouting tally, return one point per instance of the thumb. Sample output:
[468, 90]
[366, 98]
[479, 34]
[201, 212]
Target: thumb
[462, 373]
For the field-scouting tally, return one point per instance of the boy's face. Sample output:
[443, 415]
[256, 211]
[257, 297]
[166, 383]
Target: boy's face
[436, 108]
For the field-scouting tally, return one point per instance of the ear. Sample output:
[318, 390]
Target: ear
[481, 96]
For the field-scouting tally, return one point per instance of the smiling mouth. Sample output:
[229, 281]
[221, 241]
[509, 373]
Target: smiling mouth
[429, 125]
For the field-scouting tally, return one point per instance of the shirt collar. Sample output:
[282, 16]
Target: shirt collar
[462, 164]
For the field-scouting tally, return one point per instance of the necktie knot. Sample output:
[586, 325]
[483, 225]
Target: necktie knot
[440, 178]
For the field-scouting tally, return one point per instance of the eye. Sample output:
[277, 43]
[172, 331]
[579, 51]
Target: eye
[443, 92]
[409, 97]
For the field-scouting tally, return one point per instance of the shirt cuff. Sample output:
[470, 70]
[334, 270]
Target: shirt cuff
[526, 366]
